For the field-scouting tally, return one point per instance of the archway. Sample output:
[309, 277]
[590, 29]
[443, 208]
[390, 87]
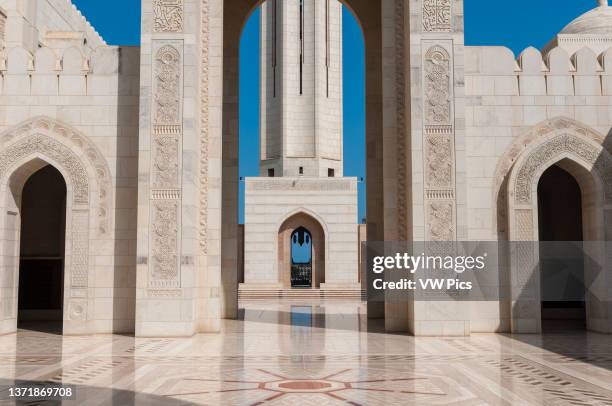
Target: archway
[25, 150]
[576, 150]
[41, 252]
[301, 258]
[294, 266]
[560, 224]
[370, 16]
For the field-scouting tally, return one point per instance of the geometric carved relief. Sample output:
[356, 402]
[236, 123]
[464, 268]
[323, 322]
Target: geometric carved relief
[436, 15]
[164, 271]
[524, 225]
[79, 253]
[525, 257]
[437, 87]
[168, 15]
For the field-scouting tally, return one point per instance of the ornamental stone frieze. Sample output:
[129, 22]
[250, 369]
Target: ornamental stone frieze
[439, 140]
[166, 144]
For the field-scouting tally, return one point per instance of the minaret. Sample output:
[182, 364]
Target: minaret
[301, 88]
[602, 3]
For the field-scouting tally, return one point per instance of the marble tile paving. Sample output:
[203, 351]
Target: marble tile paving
[313, 354]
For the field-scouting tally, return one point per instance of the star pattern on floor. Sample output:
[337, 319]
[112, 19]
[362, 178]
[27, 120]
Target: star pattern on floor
[330, 385]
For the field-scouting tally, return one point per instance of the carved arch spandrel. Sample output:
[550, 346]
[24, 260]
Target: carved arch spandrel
[526, 143]
[76, 151]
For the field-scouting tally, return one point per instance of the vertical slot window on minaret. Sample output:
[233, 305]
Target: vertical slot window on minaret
[301, 46]
[327, 56]
[274, 33]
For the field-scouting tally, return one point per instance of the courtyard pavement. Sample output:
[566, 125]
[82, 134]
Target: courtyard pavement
[313, 354]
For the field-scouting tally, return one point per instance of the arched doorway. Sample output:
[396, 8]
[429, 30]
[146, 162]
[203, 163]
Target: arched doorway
[576, 150]
[41, 250]
[560, 226]
[301, 258]
[301, 252]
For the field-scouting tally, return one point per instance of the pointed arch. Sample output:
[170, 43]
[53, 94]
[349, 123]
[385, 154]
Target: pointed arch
[296, 219]
[580, 135]
[579, 151]
[28, 147]
[74, 150]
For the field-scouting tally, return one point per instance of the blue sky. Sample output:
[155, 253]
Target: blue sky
[515, 24]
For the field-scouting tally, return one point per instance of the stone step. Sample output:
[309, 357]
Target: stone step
[300, 293]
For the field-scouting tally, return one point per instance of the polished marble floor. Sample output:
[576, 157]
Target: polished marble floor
[313, 354]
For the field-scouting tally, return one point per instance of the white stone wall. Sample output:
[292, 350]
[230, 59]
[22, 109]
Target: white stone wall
[31, 21]
[506, 97]
[270, 201]
[95, 95]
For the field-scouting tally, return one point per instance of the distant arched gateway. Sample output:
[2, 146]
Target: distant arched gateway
[308, 269]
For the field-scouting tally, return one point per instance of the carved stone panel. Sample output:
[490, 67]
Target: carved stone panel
[438, 140]
[166, 147]
[167, 94]
[437, 86]
[79, 253]
[164, 259]
[440, 220]
[439, 167]
[77, 309]
[165, 162]
[437, 15]
[168, 15]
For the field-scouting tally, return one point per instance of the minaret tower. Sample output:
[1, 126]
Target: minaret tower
[301, 88]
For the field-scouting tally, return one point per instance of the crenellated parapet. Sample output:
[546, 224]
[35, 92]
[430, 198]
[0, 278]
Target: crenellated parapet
[70, 71]
[73, 18]
[496, 71]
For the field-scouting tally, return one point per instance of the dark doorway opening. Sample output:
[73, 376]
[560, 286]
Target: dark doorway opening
[301, 258]
[561, 233]
[41, 254]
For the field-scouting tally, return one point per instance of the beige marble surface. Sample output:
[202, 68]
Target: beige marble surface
[314, 353]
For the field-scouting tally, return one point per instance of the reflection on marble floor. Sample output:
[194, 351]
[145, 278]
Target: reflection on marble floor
[315, 354]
